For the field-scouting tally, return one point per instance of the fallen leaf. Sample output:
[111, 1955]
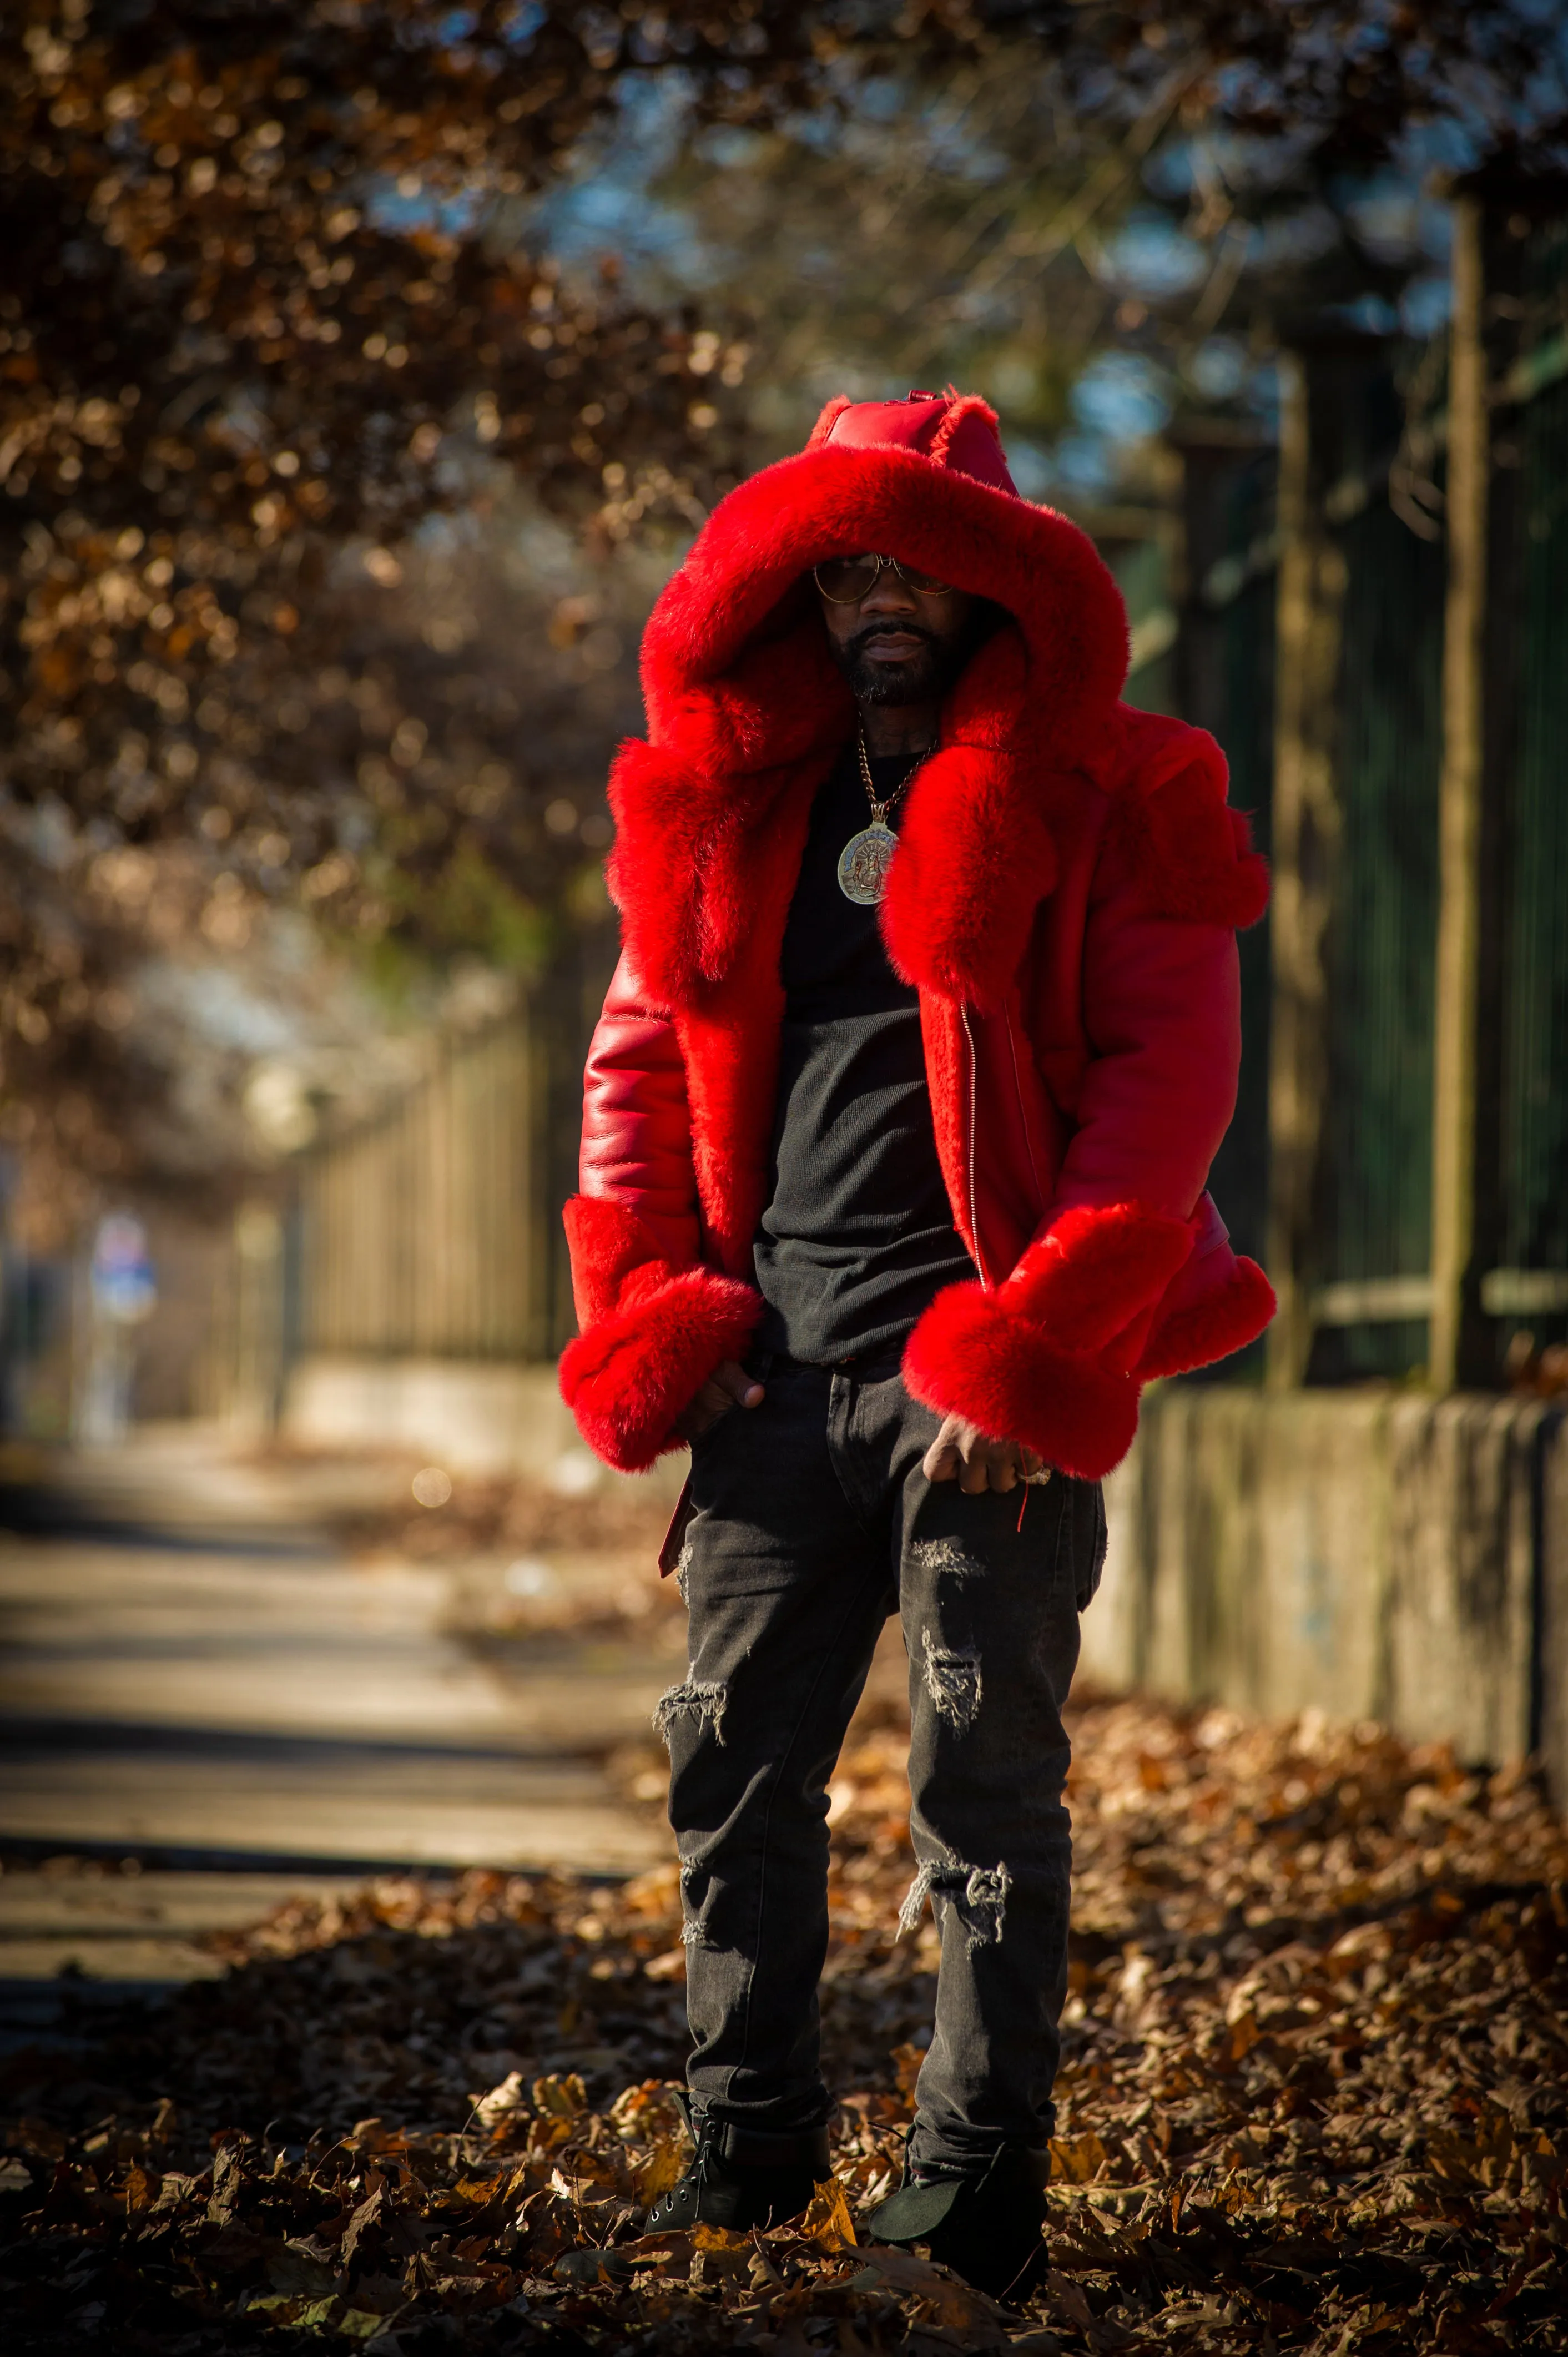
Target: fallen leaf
[594, 2266]
[366, 2215]
[1078, 2160]
[297, 2271]
[503, 2102]
[1280, 1876]
[664, 2167]
[140, 2189]
[562, 2098]
[950, 2301]
[827, 2221]
[362, 2324]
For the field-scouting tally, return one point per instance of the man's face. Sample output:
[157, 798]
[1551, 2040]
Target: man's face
[899, 645]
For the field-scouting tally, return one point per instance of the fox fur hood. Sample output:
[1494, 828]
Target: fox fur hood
[743, 694]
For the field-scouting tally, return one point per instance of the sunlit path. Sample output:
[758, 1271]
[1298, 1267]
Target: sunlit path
[195, 1677]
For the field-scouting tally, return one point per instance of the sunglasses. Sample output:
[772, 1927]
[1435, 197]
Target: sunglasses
[846, 580]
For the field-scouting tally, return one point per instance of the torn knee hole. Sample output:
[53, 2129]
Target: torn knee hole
[978, 1894]
[940, 1556]
[695, 1896]
[704, 1699]
[952, 1681]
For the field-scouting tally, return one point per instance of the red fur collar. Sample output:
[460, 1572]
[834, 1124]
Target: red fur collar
[747, 709]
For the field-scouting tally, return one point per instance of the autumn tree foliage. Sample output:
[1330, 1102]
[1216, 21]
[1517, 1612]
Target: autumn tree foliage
[256, 326]
[251, 323]
[273, 298]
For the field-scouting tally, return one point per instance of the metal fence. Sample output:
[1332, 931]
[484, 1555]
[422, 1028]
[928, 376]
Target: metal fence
[1343, 1205]
[1532, 1223]
[1381, 944]
[1227, 684]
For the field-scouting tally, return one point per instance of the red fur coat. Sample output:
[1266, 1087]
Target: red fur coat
[1064, 896]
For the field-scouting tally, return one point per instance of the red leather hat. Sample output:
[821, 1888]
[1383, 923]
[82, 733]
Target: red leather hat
[957, 431]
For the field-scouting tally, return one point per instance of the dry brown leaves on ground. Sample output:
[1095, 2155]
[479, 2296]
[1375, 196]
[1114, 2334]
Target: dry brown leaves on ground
[1312, 2096]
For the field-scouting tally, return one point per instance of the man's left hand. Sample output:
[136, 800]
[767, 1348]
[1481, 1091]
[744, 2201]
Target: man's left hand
[962, 1452]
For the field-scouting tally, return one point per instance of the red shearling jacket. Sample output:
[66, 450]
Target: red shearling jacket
[1064, 896]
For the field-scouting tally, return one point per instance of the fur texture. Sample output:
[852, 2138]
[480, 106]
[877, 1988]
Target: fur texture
[959, 406]
[629, 1377]
[748, 710]
[975, 854]
[652, 1336]
[1224, 1320]
[1094, 1270]
[608, 1244]
[971, 1356]
[1191, 853]
[1052, 1357]
[831, 413]
[950, 429]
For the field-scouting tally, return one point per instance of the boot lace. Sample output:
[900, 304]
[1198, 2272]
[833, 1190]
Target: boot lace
[705, 2135]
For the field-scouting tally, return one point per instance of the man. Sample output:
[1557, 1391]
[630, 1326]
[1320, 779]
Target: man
[895, 1131]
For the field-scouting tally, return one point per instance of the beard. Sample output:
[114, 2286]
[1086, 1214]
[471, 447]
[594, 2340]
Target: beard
[924, 678]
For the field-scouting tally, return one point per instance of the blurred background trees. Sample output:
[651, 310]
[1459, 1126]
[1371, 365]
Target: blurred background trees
[259, 330]
[366, 364]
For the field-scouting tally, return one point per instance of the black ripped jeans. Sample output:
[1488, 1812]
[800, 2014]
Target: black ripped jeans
[812, 1522]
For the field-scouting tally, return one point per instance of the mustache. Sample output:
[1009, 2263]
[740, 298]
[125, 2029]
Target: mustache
[862, 639]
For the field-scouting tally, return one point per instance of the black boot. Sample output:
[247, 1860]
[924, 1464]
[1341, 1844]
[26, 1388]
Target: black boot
[740, 2177]
[987, 2229]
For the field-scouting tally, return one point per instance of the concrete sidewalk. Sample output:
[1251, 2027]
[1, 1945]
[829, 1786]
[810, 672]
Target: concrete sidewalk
[194, 1679]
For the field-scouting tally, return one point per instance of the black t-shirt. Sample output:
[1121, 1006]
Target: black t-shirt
[858, 1235]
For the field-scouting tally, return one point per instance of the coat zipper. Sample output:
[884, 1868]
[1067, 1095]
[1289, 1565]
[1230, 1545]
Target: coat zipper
[1023, 1116]
[974, 1099]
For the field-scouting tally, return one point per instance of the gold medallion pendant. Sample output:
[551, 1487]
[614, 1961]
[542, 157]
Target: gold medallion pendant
[863, 863]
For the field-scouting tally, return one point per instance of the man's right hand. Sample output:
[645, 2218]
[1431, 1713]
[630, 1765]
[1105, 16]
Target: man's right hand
[728, 1386]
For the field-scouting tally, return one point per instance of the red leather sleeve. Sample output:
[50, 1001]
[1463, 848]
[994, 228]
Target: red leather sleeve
[654, 1320]
[1162, 1005]
[637, 1132]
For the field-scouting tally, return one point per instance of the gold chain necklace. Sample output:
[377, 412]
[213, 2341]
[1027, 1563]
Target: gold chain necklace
[864, 860]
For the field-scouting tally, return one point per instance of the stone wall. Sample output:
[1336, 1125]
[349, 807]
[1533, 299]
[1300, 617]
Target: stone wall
[1370, 1554]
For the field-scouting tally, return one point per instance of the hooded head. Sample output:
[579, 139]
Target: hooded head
[735, 663]
[746, 704]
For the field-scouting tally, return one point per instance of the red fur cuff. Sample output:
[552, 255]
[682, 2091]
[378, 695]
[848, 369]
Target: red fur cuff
[975, 1354]
[1051, 1358]
[1095, 1270]
[629, 1377]
[1234, 1314]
